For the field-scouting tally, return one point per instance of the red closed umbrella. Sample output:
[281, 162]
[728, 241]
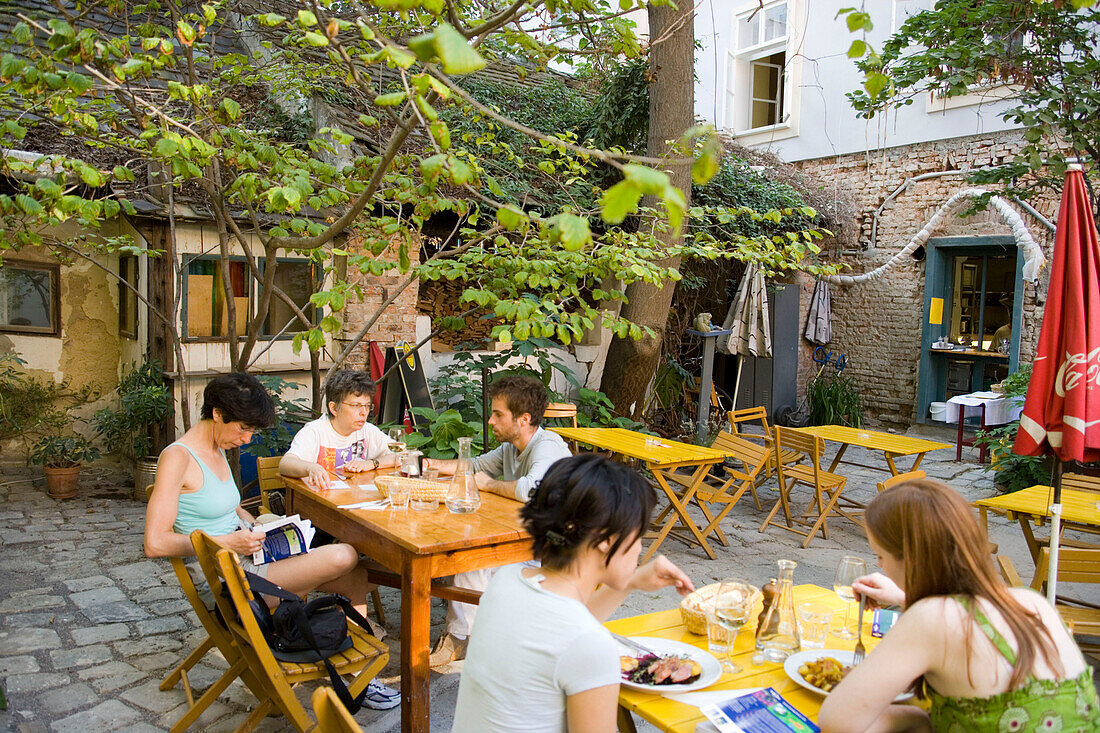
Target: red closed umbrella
[1062, 409]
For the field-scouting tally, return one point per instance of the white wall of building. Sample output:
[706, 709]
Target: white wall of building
[819, 119]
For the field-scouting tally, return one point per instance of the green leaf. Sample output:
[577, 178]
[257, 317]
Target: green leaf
[572, 231]
[306, 19]
[510, 217]
[166, 147]
[232, 108]
[857, 49]
[619, 201]
[423, 46]
[392, 99]
[648, 180]
[456, 56]
[314, 38]
[875, 83]
[706, 166]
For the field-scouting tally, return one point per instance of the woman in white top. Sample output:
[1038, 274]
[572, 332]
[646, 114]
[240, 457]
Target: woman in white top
[539, 658]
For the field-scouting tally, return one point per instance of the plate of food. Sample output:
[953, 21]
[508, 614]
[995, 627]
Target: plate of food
[821, 670]
[673, 667]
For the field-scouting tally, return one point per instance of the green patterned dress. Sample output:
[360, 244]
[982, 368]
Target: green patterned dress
[1058, 706]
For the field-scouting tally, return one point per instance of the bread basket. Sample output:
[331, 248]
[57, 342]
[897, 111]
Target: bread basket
[419, 489]
[696, 605]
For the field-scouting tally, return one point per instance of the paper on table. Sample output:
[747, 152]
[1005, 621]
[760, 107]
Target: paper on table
[339, 485]
[710, 697]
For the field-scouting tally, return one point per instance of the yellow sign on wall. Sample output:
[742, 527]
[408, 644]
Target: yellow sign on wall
[935, 312]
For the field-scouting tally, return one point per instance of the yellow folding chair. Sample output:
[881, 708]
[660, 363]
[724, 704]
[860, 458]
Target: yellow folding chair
[826, 487]
[739, 418]
[728, 489]
[365, 658]
[332, 716]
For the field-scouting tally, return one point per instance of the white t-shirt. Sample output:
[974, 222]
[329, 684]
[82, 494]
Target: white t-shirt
[529, 649]
[317, 442]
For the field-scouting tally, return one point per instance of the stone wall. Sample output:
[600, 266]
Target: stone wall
[878, 323]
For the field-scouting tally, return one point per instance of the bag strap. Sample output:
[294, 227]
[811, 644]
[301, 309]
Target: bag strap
[265, 586]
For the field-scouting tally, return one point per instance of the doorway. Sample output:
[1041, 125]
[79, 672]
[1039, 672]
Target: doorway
[973, 298]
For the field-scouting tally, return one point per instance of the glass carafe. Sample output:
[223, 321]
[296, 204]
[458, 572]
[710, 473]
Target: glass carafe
[777, 635]
[462, 496]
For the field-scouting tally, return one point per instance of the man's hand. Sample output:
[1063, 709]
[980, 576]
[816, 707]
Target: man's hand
[879, 590]
[483, 481]
[658, 573]
[243, 541]
[358, 465]
[317, 477]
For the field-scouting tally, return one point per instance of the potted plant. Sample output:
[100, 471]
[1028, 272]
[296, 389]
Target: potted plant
[61, 457]
[142, 400]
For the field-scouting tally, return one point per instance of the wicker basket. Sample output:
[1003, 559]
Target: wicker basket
[419, 489]
[695, 606]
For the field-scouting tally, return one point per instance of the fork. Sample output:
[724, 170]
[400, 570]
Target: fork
[635, 645]
[860, 652]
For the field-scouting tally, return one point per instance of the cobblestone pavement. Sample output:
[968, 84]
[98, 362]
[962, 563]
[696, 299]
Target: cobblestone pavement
[89, 625]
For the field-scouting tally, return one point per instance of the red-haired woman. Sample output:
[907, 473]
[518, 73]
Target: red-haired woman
[987, 657]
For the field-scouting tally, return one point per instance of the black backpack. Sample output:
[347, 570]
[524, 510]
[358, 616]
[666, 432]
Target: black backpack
[307, 631]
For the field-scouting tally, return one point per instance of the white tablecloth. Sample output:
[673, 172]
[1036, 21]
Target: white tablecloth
[998, 408]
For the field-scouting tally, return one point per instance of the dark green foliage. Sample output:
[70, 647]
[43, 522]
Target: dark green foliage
[834, 400]
[63, 451]
[23, 399]
[620, 113]
[143, 399]
[1013, 471]
[275, 440]
[737, 185]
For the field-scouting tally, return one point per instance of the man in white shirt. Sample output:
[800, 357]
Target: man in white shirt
[342, 440]
[513, 470]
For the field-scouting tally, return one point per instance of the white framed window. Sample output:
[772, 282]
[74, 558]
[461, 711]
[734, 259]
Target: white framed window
[763, 71]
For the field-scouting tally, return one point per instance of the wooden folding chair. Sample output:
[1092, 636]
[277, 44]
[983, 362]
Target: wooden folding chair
[1075, 565]
[332, 716]
[729, 489]
[267, 470]
[739, 418]
[826, 487]
[901, 478]
[365, 658]
[563, 411]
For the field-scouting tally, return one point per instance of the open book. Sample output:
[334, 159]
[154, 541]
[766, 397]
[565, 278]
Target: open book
[286, 537]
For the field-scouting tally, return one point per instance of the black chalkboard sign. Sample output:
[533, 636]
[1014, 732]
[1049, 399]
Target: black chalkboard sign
[405, 387]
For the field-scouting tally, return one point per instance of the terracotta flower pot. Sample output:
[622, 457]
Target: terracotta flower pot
[62, 482]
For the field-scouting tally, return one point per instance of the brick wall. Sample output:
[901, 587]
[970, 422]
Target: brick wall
[396, 323]
[878, 323]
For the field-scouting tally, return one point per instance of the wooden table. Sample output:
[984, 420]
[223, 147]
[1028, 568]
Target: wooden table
[677, 717]
[892, 446]
[418, 546]
[1080, 510]
[661, 459]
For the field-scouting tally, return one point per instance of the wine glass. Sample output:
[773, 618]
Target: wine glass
[397, 439]
[732, 605]
[847, 570]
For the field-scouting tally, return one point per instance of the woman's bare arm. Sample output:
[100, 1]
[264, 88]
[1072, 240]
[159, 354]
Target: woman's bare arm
[592, 711]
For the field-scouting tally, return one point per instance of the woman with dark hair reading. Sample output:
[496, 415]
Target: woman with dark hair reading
[539, 658]
[987, 657]
[194, 489]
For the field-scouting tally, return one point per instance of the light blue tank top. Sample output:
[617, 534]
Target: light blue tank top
[213, 508]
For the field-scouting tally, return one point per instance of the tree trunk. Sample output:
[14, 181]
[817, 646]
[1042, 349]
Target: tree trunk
[631, 364]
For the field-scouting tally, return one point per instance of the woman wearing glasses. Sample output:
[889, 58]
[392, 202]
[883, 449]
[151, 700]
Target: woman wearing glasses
[343, 440]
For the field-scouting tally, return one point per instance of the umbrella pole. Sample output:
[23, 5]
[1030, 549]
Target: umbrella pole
[737, 380]
[1055, 533]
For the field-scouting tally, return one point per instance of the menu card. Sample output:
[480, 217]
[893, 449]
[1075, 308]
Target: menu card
[763, 711]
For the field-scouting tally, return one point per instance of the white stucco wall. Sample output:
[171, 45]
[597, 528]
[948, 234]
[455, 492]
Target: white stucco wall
[825, 122]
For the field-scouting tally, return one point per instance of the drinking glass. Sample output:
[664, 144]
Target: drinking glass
[847, 570]
[397, 439]
[399, 497]
[732, 605]
[813, 624]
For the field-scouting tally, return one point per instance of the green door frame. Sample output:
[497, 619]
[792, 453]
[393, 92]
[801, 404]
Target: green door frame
[931, 382]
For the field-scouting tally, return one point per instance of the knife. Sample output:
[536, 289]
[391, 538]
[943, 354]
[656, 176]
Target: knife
[627, 641]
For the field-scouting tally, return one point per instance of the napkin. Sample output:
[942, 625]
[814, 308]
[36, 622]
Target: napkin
[710, 697]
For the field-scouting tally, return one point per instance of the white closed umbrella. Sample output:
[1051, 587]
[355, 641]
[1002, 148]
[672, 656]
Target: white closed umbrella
[748, 319]
[819, 321]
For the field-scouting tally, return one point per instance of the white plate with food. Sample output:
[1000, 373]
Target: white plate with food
[820, 670]
[677, 667]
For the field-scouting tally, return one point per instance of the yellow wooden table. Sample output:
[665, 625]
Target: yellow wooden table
[892, 446]
[1080, 510]
[662, 457]
[677, 717]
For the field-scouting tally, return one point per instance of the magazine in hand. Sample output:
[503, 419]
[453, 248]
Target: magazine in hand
[286, 537]
[763, 711]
